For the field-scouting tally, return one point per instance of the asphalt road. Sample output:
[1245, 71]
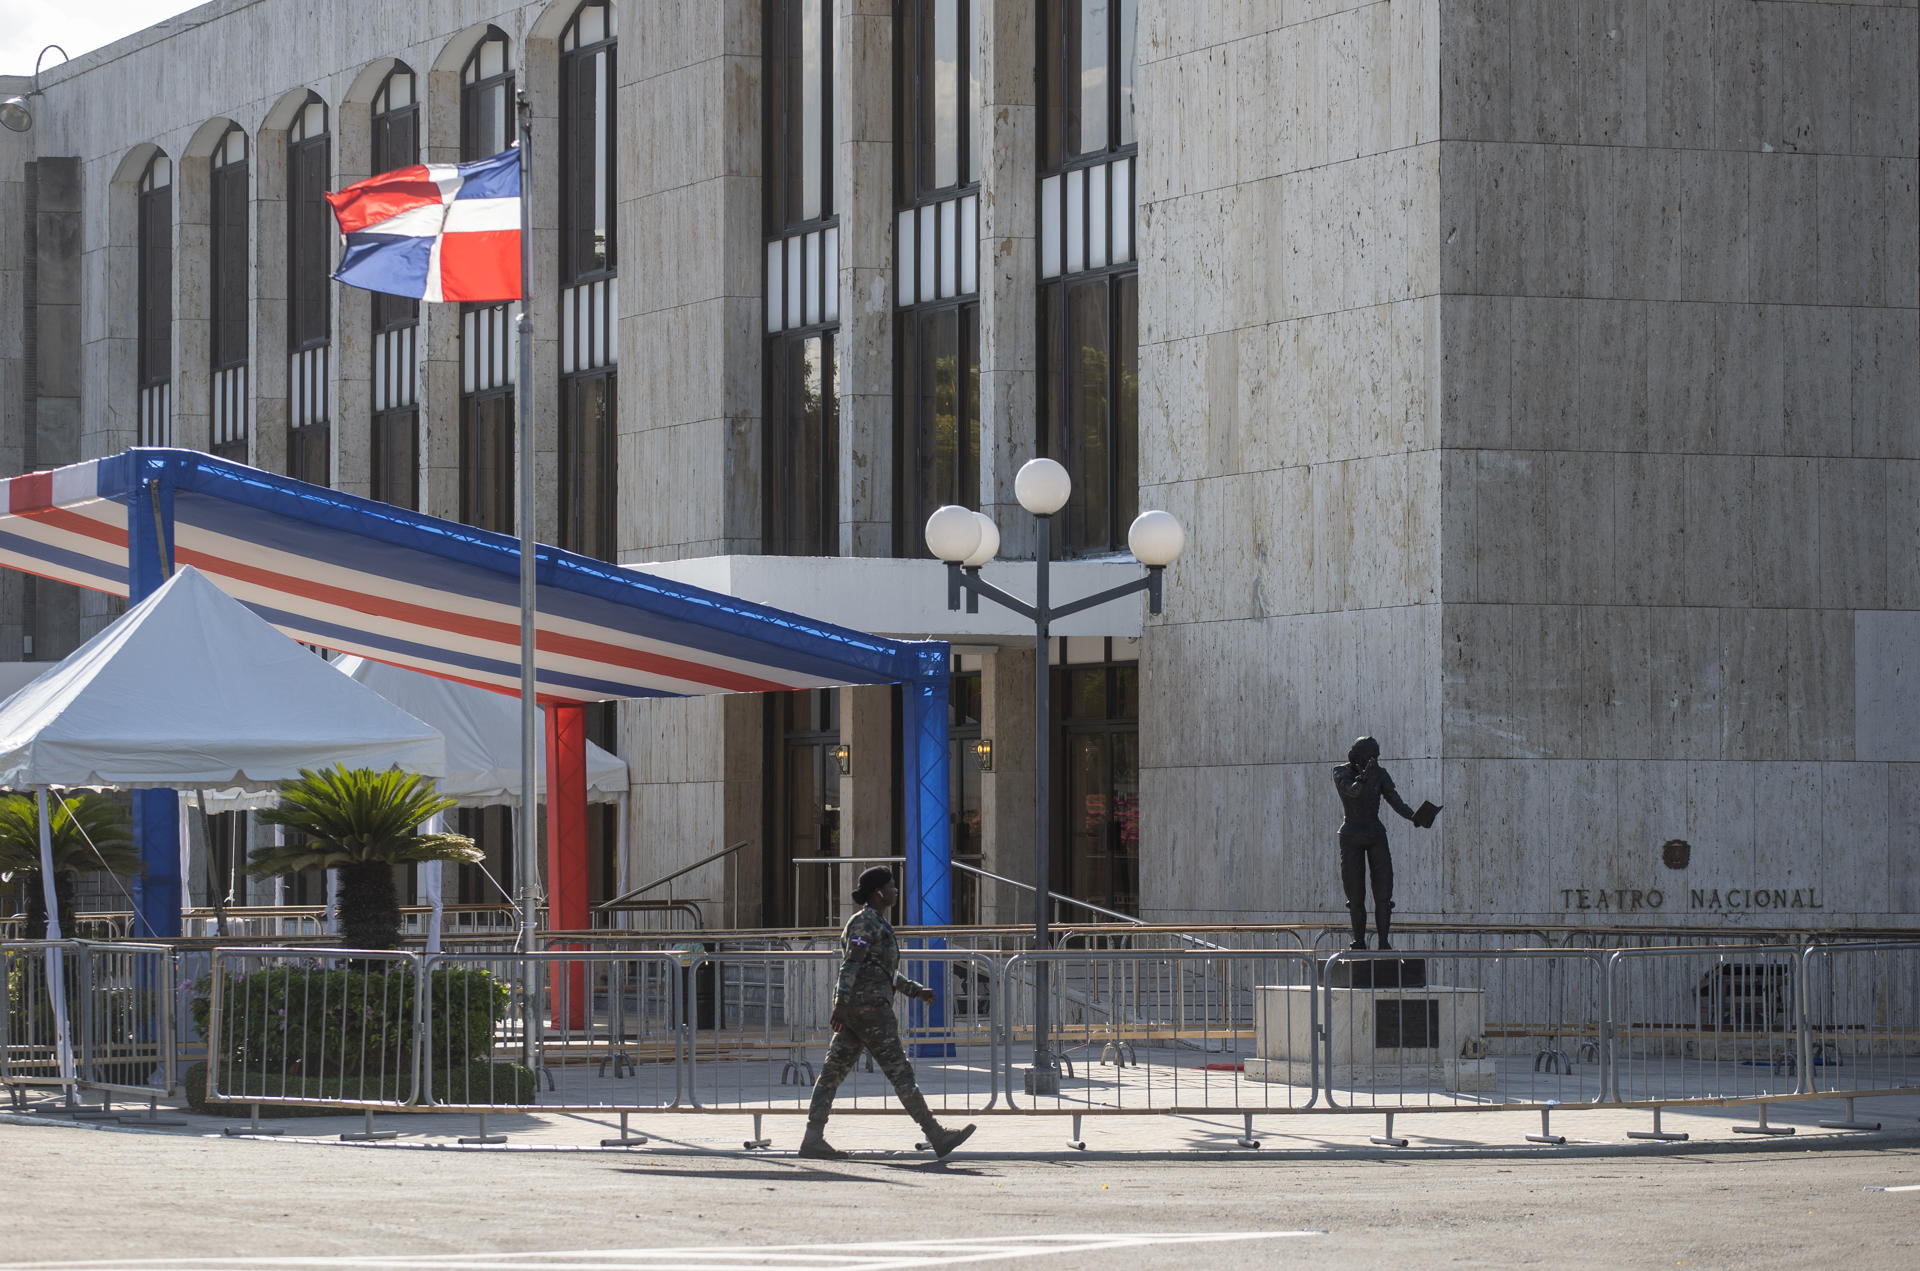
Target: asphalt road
[77, 1196]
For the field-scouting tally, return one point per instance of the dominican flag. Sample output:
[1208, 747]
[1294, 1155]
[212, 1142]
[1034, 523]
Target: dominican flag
[434, 231]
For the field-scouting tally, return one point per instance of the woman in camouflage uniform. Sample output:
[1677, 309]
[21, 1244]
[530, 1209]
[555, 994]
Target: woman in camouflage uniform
[863, 1019]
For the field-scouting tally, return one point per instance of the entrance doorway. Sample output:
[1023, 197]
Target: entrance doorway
[1100, 752]
[805, 803]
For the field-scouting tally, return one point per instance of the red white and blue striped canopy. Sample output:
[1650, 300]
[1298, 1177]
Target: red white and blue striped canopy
[359, 576]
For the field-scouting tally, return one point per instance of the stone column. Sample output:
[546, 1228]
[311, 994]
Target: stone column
[192, 303]
[867, 729]
[1009, 264]
[864, 195]
[438, 347]
[1006, 793]
[350, 359]
[267, 378]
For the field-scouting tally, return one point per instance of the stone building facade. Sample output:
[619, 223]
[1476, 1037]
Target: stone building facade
[1538, 382]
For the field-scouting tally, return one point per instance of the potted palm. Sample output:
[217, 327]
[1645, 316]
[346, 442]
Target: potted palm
[89, 832]
[361, 823]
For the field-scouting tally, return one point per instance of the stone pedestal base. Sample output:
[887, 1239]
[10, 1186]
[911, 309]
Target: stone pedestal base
[1401, 1036]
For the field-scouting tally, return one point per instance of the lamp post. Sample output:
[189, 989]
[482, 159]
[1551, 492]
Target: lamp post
[966, 540]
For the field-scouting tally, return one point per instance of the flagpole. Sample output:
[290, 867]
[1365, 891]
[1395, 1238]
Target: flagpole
[528, 871]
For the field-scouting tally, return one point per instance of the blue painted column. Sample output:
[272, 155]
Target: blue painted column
[928, 834]
[156, 813]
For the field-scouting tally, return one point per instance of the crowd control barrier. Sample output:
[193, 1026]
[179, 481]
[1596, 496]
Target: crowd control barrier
[741, 1024]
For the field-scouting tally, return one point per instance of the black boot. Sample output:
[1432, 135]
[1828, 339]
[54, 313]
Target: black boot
[939, 1137]
[1359, 918]
[815, 1145]
[1382, 921]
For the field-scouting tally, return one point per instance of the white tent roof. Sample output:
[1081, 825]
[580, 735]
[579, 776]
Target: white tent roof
[190, 688]
[482, 729]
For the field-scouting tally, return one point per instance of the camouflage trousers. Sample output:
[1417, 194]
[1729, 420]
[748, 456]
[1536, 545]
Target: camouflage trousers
[869, 1028]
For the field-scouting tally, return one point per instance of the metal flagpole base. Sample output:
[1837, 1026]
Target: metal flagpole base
[1761, 1126]
[483, 1136]
[1388, 1139]
[369, 1135]
[1849, 1123]
[626, 1139]
[1043, 1078]
[1656, 1132]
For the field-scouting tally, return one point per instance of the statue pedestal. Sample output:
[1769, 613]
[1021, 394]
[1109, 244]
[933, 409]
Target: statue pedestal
[1402, 1035]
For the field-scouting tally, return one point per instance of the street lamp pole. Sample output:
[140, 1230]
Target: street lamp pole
[966, 540]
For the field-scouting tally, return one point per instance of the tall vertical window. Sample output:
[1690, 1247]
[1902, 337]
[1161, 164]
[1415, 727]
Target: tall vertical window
[801, 455]
[1097, 768]
[309, 256]
[1089, 293]
[394, 467]
[937, 329]
[228, 236]
[156, 302]
[487, 342]
[589, 296]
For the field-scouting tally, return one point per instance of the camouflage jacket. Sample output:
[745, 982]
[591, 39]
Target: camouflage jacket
[869, 962]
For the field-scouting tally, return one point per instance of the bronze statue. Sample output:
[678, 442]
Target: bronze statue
[1362, 783]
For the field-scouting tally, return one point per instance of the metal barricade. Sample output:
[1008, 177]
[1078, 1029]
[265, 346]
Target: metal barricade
[1172, 1030]
[1861, 1018]
[565, 1030]
[126, 1019]
[1716, 1025]
[40, 1046]
[337, 1027]
[1463, 1029]
[758, 1029]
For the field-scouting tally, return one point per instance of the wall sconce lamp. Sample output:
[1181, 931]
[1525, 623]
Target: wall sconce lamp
[16, 113]
[983, 753]
[843, 759]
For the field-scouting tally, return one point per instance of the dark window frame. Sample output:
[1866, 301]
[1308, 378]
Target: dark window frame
[1058, 41]
[155, 273]
[229, 235]
[783, 104]
[1062, 433]
[579, 263]
[475, 86]
[911, 333]
[487, 448]
[590, 467]
[787, 528]
[915, 102]
[309, 231]
[395, 144]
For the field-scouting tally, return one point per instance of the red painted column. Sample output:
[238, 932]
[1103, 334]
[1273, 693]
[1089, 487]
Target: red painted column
[567, 852]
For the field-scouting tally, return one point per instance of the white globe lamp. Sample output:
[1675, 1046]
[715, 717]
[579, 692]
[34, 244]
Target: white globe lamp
[1155, 538]
[1042, 486]
[989, 543]
[953, 533]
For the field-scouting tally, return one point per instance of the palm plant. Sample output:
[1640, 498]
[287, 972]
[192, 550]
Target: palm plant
[361, 823]
[88, 832]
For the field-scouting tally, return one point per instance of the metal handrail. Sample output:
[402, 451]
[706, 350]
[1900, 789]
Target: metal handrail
[1056, 896]
[686, 869]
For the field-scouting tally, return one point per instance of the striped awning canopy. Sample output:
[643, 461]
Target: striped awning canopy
[359, 576]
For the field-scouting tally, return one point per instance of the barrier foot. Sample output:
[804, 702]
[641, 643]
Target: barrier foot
[758, 1140]
[626, 1139]
[104, 1112]
[482, 1137]
[1388, 1139]
[1849, 1123]
[152, 1115]
[369, 1134]
[1761, 1126]
[1664, 1136]
[1246, 1138]
[1546, 1134]
[253, 1125]
[1077, 1143]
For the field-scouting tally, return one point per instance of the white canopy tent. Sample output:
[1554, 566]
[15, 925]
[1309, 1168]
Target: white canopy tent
[482, 731]
[190, 689]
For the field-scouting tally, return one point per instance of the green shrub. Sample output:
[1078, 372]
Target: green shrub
[349, 1022]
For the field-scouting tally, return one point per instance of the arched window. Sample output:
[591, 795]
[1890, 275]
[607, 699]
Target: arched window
[155, 302]
[487, 343]
[800, 461]
[589, 298]
[309, 255]
[937, 327]
[227, 246]
[395, 459]
[1089, 280]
